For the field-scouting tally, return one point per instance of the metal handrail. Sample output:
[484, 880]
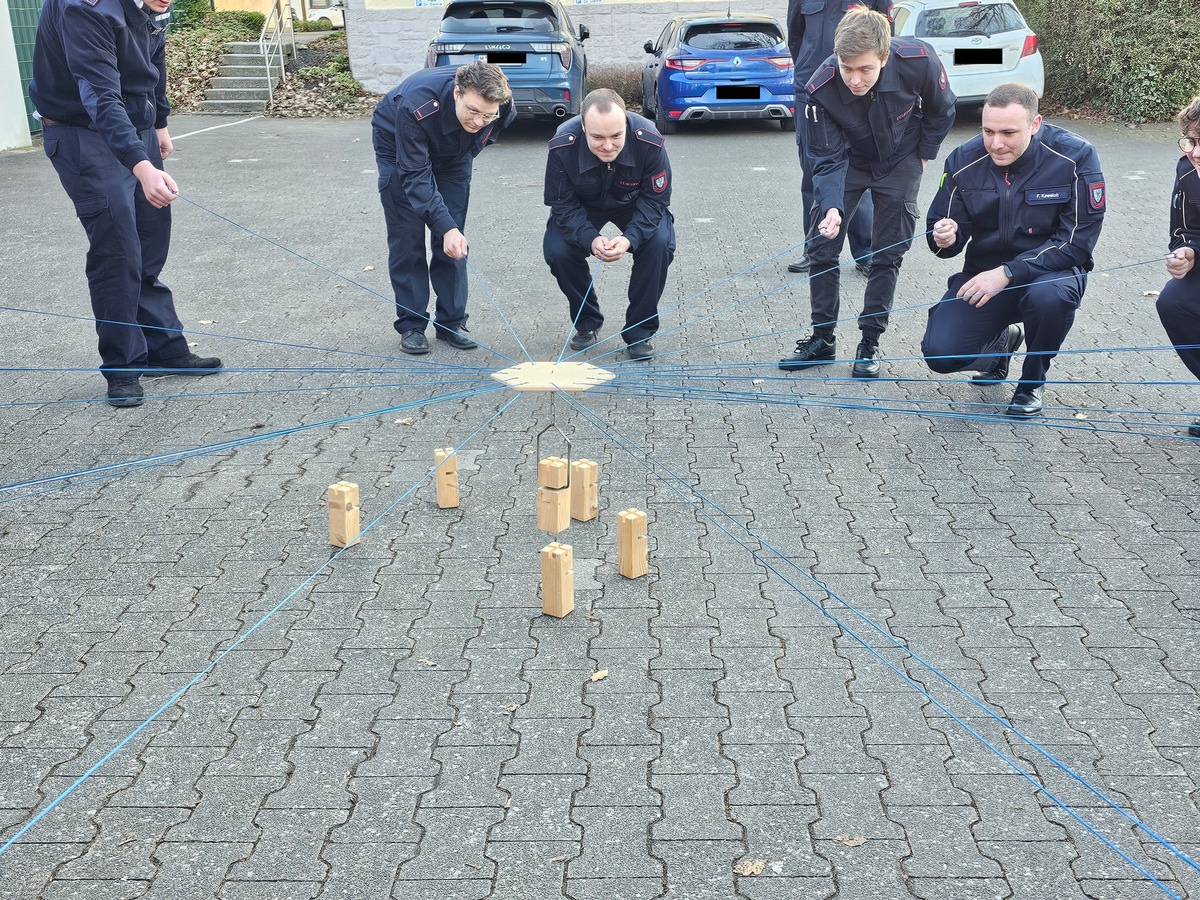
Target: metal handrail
[271, 42]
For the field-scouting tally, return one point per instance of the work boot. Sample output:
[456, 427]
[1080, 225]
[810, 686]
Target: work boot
[126, 392]
[866, 359]
[811, 351]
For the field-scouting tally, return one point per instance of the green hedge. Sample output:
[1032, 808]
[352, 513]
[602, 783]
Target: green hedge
[1135, 59]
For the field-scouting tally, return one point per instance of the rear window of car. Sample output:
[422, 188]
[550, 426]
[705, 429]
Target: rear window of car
[961, 21]
[735, 37]
[488, 19]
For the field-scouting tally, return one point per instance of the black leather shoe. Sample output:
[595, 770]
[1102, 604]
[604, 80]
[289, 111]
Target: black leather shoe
[1026, 402]
[414, 343]
[1194, 429]
[456, 337]
[125, 393]
[811, 351]
[1010, 340]
[183, 365]
[640, 350]
[866, 359]
[581, 340]
[800, 265]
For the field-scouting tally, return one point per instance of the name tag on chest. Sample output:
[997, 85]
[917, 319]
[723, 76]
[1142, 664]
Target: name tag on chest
[1048, 195]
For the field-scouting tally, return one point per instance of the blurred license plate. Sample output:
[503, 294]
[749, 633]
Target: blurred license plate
[738, 92]
[972, 56]
[504, 59]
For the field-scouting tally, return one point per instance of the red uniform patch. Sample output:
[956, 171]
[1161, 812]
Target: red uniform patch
[942, 80]
[1096, 195]
[659, 182]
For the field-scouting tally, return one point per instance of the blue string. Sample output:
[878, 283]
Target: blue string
[174, 698]
[499, 312]
[575, 321]
[649, 462]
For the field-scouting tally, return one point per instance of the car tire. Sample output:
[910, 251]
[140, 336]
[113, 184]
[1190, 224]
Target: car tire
[325, 22]
[787, 123]
[662, 122]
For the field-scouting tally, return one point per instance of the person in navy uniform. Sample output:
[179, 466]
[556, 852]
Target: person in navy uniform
[878, 110]
[609, 165]
[427, 133]
[100, 87]
[1179, 301]
[811, 25]
[1025, 200]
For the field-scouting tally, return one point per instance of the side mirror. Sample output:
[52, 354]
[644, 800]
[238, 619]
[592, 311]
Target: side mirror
[648, 46]
[584, 34]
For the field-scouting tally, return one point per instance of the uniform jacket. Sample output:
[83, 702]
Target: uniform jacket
[1185, 207]
[102, 64]
[637, 183]
[810, 28]
[909, 110]
[416, 130]
[1040, 214]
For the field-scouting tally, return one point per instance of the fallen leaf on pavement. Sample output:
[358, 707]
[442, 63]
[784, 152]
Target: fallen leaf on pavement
[601, 675]
[750, 866]
[1149, 293]
[857, 841]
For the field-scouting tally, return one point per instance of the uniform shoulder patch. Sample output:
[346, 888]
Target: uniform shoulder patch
[567, 139]
[427, 109]
[1096, 195]
[659, 182]
[646, 136]
[911, 51]
[820, 78]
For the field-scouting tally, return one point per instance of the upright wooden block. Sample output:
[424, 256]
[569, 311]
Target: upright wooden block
[558, 579]
[552, 472]
[631, 543]
[447, 477]
[585, 490]
[553, 509]
[342, 499]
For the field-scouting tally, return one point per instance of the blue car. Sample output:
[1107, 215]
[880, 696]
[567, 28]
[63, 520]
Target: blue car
[533, 41]
[711, 67]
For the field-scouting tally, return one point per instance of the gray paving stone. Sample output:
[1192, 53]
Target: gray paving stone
[615, 844]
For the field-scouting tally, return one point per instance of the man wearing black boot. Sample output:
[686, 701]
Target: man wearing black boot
[1026, 200]
[99, 85]
[878, 110]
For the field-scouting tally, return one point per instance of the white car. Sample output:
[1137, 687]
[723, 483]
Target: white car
[982, 43]
[327, 14]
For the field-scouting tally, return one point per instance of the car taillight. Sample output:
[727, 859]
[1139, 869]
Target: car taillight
[1030, 47]
[684, 63]
[563, 51]
[781, 62]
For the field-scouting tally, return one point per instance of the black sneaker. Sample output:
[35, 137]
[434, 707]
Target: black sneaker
[640, 350]
[414, 343]
[1004, 348]
[191, 364]
[866, 359]
[581, 340]
[127, 392]
[811, 351]
[456, 338]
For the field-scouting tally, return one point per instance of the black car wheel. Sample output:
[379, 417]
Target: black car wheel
[664, 124]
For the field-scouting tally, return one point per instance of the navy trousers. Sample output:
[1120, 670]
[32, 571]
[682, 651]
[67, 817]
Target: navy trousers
[893, 226]
[128, 240]
[1179, 309]
[958, 336]
[410, 270]
[568, 263]
[858, 231]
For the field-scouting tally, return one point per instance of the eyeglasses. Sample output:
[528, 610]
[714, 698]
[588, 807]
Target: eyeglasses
[1188, 144]
[476, 116]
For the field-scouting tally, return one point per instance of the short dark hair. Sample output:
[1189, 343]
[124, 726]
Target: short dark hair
[602, 100]
[1189, 117]
[862, 31]
[1013, 92]
[485, 79]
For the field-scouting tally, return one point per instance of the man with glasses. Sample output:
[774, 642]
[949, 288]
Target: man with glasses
[1179, 300]
[1025, 200]
[609, 165]
[427, 133]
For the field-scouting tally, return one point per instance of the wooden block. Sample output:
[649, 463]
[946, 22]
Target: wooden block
[552, 472]
[447, 477]
[553, 509]
[585, 490]
[342, 499]
[558, 579]
[631, 543]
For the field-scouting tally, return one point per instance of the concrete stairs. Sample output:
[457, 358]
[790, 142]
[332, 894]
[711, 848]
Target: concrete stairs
[242, 85]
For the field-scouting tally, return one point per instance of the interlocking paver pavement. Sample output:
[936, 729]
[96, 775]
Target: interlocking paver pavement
[403, 722]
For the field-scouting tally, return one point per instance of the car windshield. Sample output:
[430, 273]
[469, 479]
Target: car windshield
[959, 21]
[732, 36]
[488, 19]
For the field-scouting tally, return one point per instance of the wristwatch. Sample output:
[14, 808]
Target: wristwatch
[1007, 272]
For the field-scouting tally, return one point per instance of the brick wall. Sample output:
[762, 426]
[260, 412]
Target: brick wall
[387, 45]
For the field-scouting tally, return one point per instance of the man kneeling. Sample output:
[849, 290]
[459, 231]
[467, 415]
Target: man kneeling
[1026, 200]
